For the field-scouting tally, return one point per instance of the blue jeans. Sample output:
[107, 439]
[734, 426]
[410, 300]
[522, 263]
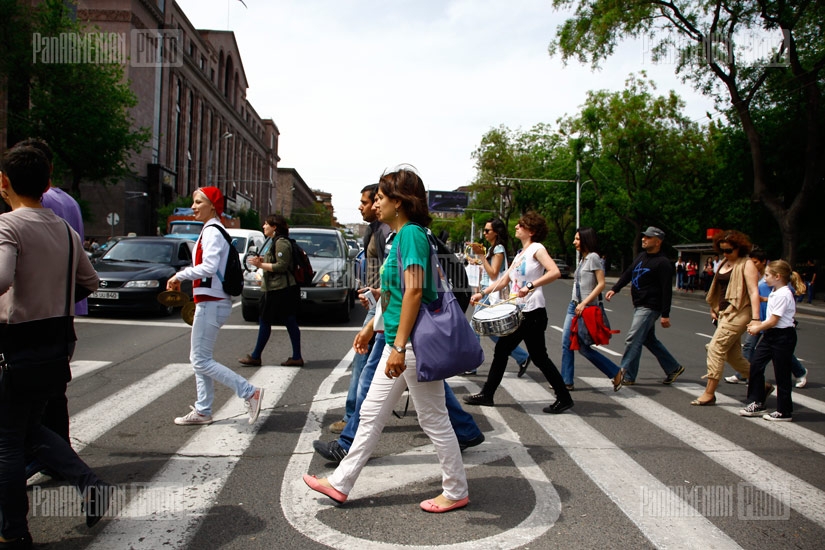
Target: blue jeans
[643, 333]
[21, 433]
[265, 331]
[797, 370]
[519, 354]
[463, 424]
[209, 318]
[568, 358]
[358, 363]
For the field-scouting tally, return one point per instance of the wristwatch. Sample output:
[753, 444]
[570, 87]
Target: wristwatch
[399, 349]
[530, 285]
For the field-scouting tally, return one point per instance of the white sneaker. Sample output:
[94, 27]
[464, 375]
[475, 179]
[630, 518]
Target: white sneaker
[776, 416]
[253, 405]
[735, 380]
[802, 381]
[194, 418]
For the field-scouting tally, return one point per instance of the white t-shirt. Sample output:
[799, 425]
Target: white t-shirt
[526, 268]
[485, 278]
[782, 304]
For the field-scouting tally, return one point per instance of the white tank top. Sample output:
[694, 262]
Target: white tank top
[525, 269]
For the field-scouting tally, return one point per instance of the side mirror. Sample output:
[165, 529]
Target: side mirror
[253, 251]
[351, 253]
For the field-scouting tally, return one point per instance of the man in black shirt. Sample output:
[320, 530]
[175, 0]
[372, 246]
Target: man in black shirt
[650, 276]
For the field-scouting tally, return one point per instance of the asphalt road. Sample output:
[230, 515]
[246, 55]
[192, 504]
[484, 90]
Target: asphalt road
[638, 468]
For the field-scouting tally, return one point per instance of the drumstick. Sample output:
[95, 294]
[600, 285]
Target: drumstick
[507, 301]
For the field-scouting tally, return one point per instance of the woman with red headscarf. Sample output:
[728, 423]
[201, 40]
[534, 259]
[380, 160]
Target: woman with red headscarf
[212, 309]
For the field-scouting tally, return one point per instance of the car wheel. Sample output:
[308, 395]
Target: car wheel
[167, 310]
[249, 311]
[344, 311]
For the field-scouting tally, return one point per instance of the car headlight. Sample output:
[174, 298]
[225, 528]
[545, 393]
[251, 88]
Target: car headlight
[142, 284]
[331, 279]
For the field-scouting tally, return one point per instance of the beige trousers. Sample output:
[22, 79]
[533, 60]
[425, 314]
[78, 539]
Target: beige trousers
[726, 344]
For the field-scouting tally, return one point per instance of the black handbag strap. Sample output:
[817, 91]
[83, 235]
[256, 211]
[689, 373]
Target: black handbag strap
[69, 277]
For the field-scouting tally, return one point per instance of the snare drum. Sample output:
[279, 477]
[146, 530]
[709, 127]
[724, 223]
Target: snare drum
[498, 320]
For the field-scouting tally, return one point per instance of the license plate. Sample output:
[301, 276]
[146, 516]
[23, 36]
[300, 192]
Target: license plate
[104, 295]
[303, 295]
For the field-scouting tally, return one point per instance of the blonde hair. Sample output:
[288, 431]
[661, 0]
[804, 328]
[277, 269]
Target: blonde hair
[782, 269]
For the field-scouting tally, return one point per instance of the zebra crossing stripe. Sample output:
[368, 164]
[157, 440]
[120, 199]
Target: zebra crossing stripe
[82, 368]
[195, 476]
[796, 433]
[92, 422]
[762, 474]
[301, 506]
[620, 477]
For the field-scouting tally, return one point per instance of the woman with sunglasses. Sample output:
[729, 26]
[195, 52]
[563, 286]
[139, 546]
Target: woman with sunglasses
[494, 264]
[532, 267]
[734, 302]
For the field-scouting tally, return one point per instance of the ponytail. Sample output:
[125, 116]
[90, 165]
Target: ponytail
[797, 283]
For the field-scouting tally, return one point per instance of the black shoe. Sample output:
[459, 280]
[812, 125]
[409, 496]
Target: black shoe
[558, 407]
[463, 445]
[21, 543]
[332, 451]
[522, 368]
[479, 399]
[97, 502]
[673, 375]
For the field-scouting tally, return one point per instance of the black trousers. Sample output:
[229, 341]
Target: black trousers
[531, 332]
[777, 345]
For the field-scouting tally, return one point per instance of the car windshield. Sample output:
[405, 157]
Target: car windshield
[186, 228]
[130, 251]
[321, 245]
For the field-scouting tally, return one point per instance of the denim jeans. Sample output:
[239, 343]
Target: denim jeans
[797, 370]
[21, 433]
[568, 358]
[643, 333]
[464, 425]
[519, 354]
[209, 318]
[265, 331]
[358, 363]
[776, 345]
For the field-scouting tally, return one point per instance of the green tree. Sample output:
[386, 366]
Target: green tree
[710, 55]
[649, 165]
[81, 109]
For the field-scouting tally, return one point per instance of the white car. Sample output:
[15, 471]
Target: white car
[245, 239]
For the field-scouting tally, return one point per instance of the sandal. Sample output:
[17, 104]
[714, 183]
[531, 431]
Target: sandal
[711, 401]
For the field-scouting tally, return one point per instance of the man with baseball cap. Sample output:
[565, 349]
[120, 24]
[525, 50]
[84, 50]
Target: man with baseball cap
[651, 276]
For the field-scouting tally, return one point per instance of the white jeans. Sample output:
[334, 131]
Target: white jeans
[429, 401]
[209, 318]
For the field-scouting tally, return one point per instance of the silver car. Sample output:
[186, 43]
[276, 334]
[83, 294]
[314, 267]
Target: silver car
[333, 287]
[563, 267]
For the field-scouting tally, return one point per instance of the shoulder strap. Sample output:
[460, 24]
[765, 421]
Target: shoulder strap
[69, 274]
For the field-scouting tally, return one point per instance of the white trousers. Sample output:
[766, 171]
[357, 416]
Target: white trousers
[429, 401]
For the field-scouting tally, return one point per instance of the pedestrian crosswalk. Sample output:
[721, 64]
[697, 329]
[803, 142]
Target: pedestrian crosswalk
[588, 444]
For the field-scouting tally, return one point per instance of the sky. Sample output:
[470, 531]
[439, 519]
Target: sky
[357, 87]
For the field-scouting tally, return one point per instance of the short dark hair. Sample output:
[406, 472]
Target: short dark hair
[28, 171]
[536, 223]
[759, 254]
[372, 189]
[279, 223]
[40, 145]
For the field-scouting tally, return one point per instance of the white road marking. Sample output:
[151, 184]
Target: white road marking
[82, 368]
[767, 477]
[301, 505]
[182, 325]
[91, 423]
[796, 433]
[617, 475]
[195, 475]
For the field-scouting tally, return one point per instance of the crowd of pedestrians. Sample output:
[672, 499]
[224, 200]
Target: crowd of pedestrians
[745, 294]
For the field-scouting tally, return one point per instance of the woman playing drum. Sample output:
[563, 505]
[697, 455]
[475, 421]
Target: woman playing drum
[531, 268]
[494, 264]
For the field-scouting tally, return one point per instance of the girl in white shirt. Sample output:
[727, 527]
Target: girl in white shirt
[531, 268]
[777, 344]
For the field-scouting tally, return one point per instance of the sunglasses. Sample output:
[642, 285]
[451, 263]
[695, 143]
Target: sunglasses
[487, 230]
[727, 250]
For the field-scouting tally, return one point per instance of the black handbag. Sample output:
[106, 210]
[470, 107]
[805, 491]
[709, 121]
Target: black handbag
[34, 356]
